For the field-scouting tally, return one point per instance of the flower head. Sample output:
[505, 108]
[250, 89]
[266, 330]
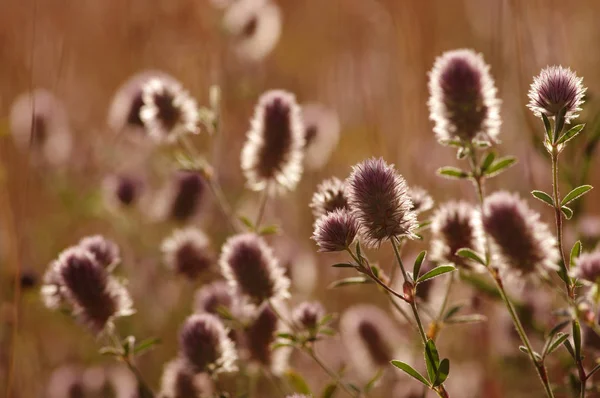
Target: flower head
[209, 298]
[335, 231]
[321, 133]
[185, 195]
[556, 88]
[168, 110]
[187, 252]
[329, 196]
[122, 190]
[251, 269]
[179, 381]
[517, 237]
[105, 251]
[588, 267]
[378, 197]
[274, 151]
[260, 337]
[308, 314]
[421, 199]
[462, 102]
[205, 346]
[453, 227]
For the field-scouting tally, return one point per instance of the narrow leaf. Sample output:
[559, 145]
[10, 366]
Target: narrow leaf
[442, 373]
[559, 122]
[500, 165]
[269, 230]
[470, 318]
[487, 161]
[575, 253]
[410, 371]
[560, 339]
[577, 339]
[452, 172]
[354, 280]
[567, 212]
[569, 348]
[548, 127]
[569, 135]
[297, 382]
[418, 263]
[329, 390]
[374, 381]
[437, 271]
[344, 265]
[575, 194]
[470, 254]
[246, 221]
[110, 351]
[452, 311]
[145, 345]
[544, 197]
[524, 349]
[432, 359]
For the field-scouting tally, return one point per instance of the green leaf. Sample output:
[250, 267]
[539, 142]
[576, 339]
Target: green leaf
[577, 339]
[487, 161]
[373, 382]
[500, 166]
[325, 320]
[442, 373]
[358, 252]
[524, 349]
[297, 382]
[560, 339]
[329, 390]
[432, 359]
[285, 335]
[548, 127]
[575, 253]
[343, 265]
[559, 122]
[354, 280]
[452, 311]
[269, 230]
[437, 271]
[544, 197]
[568, 213]
[575, 194]
[465, 252]
[110, 351]
[418, 263]
[146, 344]
[452, 172]
[410, 371]
[277, 346]
[569, 348]
[470, 318]
[246, 221]
[569, 135]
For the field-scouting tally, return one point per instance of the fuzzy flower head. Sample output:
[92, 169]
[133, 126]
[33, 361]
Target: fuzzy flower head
[95, 296]
[308, 314]
[453, 227]
[462, 102]
[182, 197]
[179, 381]
[209, 298]
[329, 196]
[321, 133]
[378, 197]
[421, 199]
[252, 270]
[588, 267]
[205, 346]
[122, 190]
[274, 148]
[260, 336]
[168, 110]
[518, 239]
[335, 231]
[556, 88]
[105, 251]
[187, 252]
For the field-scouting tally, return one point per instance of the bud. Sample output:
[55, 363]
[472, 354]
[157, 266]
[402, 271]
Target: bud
[329, 196]
[308, 314]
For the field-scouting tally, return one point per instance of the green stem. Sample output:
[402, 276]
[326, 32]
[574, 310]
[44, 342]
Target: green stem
[558, 218]
[263, 204]
[145, 390]
[333, 375]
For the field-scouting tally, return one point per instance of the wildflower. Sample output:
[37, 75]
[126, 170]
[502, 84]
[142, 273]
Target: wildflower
[183, 196]
[273, 151]
[260, 337]
[421, 199]
[205, 346]
[556, 88]
[462, 102]
[255, 26]
[39, 123]
[321, 134]
[588, 267]
[251, 269]
[329, 196]
[122, 190]
[168, 111]
[179, 381]
[518, 239]
[209, 298]
[105, 251]
[308, 314]
[187, 252]
[453, 227]
[378, 197]
[65, 382]
[335, 231]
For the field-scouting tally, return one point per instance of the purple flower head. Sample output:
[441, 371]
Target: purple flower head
[209, 298]
[274, 150]
[260, 337]
[329, 196]
[421, 199]
[462, 102]
[453, 227]
[321, 133]
[335, 231]
[105, 251]
[180, 381]
[308, 314]
[189, 189]
[187, 252]
[518, 239]
[205, 346]
[249, 266]
[378, 197]
[556, 88]
[588, 267]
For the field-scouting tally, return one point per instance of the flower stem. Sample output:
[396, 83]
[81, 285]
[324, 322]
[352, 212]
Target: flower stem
[144, 389]
[263, 204]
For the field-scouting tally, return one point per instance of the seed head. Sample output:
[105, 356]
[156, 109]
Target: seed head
[179, 381]
[274, 149]
[453, 227]
[556, 88]
[421, 199]
[588, 267]
[378, 197]
[518, 239]
[335, 231]
[251, 269]
[209, 298]
[462, 102]
[168, 111]
[105, 251]
[205, 346]
[308, 314]
[187, 252]
[321, 134]
[260, 337]
[329, 196]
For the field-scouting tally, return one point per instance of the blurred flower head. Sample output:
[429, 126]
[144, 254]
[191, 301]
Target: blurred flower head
[182, 197]
[260, 336]
[335, 231]
[168, 111]
[378, 197]
[122, 190]
[556, 88]
[65, 382]
[187, 252]
[588, 267]
[209, 298]
[421, 200]
[105, 251]
[179, 381]
[321, 134]
[307, 315]
[463, 103]
[255, 26]
[39, 123]
[329, 196]
[453, 227]
[205, 346]
[518, 239]
[274, 148]
[252, 270]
